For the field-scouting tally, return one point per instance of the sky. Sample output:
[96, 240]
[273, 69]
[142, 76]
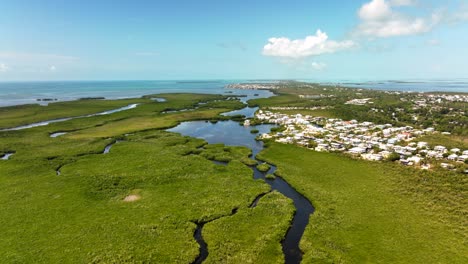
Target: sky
[242, 39]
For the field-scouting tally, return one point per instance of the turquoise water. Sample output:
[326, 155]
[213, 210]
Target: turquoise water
[14, 93]
[414, 85]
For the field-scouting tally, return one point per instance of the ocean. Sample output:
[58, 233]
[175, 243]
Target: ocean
[16, 93]
[416, 85]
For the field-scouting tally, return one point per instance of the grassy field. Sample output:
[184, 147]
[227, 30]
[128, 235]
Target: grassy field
[449, 141]
[373, 212]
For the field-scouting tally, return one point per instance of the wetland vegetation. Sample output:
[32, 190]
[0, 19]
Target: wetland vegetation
[84, 213]
[375, 212]
[148, 196]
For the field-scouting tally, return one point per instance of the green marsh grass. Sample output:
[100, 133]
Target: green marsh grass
[375, 212]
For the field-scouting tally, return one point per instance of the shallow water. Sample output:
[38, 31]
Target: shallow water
[16, 93]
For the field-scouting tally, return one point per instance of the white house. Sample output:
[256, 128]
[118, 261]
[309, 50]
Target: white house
[455, 150]
[372, 157]
[463, 158]
[452, 157]
[415, 159]
[422, 144]
[440, 149]
[357, 150]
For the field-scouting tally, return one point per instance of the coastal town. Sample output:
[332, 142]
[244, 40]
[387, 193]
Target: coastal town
[365, 140]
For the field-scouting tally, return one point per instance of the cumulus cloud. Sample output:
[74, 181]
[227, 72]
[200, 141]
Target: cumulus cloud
[379, 19]
[4, 67]
[310, 46]
[375, 10]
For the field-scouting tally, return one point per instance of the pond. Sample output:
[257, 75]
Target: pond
[229, 133]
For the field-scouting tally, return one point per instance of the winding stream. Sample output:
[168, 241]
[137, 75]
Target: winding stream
[232, 134]
[108, 148]
[105, 151]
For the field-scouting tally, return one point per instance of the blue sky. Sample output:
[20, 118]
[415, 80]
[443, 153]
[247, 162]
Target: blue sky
[205, 39]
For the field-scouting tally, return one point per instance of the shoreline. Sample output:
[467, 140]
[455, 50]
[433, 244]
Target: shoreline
[19, 93]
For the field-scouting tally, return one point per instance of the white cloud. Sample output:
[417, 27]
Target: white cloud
[375, 10]
[52, 68]
[310, 46]
[403, 2]
[319, 66]
[379, 19]
[4, 67]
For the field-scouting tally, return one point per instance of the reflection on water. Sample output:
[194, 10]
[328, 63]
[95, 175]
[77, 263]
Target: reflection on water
[227, 132]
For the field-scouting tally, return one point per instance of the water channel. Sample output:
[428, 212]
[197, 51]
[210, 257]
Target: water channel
[232, 134]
